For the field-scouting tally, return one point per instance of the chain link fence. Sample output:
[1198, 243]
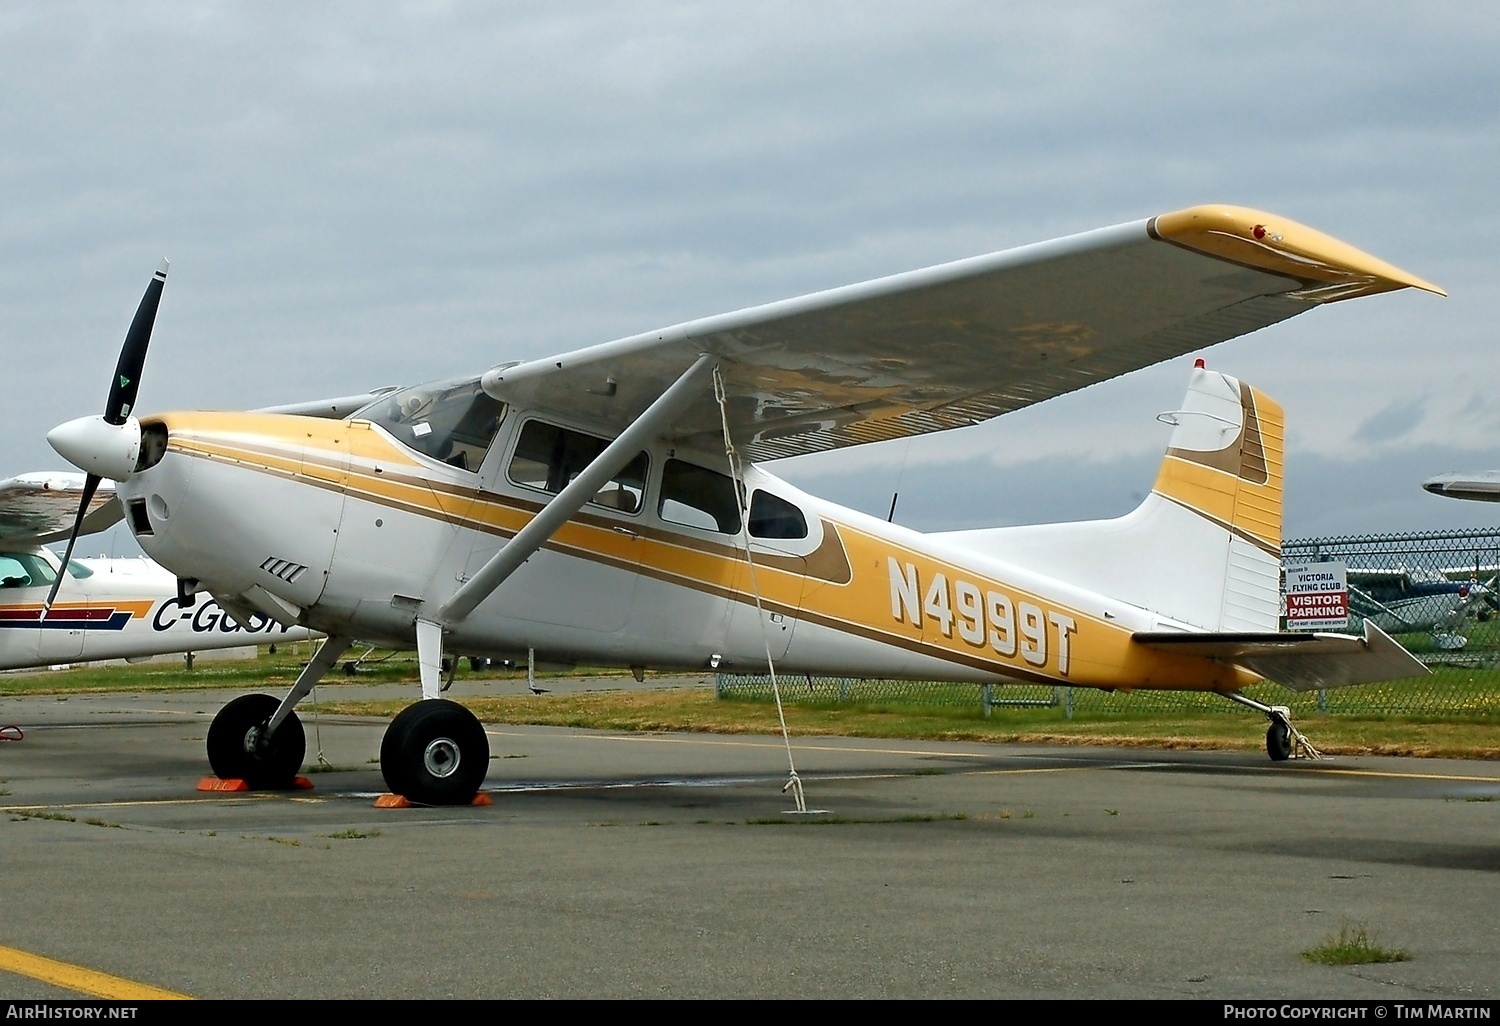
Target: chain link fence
[1436, 592]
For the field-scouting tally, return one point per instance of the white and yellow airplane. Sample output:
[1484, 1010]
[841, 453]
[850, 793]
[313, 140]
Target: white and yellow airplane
[605, 505]
[104, 608]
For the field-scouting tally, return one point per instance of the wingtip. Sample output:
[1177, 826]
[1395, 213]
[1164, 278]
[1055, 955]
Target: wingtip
[1330, 268]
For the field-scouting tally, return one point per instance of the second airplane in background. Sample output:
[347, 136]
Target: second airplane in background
[105, 608]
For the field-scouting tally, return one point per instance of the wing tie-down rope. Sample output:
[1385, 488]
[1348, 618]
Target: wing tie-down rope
[318, 729]
[794, 782]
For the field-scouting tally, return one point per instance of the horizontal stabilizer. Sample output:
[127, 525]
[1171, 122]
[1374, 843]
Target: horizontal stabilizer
[1297, 660]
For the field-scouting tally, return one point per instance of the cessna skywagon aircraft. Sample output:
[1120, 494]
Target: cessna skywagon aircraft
[605, 505]
[106, 608]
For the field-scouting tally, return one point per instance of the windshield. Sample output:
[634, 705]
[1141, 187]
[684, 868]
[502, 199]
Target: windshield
[450, 421]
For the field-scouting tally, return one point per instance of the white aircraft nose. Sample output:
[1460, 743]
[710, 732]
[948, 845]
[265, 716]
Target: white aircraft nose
[97, 447]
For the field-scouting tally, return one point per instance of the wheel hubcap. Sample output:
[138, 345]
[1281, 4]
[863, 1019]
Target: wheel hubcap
[441, 758]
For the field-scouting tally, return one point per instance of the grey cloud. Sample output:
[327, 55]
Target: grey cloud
[357, 195]
[1391, 422]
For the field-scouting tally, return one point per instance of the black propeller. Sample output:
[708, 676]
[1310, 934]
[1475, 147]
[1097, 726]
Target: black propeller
[90, 484]
[122, 394]
[127, 382]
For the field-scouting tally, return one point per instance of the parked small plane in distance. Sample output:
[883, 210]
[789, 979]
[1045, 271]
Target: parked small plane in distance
[1401, 601]
[1482, 485]
[603, 506]
[106, 608]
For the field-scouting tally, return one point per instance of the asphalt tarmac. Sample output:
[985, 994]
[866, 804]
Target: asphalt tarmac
[669, 866]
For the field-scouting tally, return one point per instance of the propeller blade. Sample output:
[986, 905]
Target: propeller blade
[90, 483]
[127, 382]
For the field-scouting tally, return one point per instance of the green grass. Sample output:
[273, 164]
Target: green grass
[1354, 945]
[1357, 721]
[265, 671]
[697, 710]
[61, 817]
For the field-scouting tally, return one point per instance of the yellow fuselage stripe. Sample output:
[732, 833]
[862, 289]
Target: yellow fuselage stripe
[1104, 653]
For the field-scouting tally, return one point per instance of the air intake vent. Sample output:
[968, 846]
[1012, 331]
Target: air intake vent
[284, 569]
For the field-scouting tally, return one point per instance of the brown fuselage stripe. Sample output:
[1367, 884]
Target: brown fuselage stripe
[997, 667]
[1270, 550]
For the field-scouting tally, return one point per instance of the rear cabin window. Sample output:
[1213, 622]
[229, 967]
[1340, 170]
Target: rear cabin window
[771, 516]
[695, 497]
[548, 457]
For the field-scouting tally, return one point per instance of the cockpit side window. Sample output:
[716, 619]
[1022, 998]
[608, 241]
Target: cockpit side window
[24, 570]
[697, 497]
[451, 421]
[771, 516]
[548, 458]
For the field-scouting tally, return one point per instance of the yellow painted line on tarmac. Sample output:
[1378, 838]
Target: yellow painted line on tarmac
[858, 750]
[142, 803]
[724, 743]
[84, 981]
[1054, 769]
[1457, 777]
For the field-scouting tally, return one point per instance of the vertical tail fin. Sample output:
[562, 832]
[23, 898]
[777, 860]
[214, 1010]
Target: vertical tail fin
[1224, 460]
[1224, 463]
[1204, 548]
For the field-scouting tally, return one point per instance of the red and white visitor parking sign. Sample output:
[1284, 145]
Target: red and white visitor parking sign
[1317, 596]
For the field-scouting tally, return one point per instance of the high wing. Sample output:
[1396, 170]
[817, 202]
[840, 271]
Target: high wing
[959, 343]
[39, 508]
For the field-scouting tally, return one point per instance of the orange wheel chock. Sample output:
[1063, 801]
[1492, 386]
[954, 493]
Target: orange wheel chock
[217, 784]
[396, 801]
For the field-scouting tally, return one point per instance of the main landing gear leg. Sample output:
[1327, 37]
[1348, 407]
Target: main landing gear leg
[259, 740]
[1283, 741]
[436, 751]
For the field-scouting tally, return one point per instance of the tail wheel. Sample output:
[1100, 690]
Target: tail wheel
[435, 753]
[1279, 741]
[238, 748]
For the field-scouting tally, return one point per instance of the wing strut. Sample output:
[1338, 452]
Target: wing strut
[579, 491]
[559, 511]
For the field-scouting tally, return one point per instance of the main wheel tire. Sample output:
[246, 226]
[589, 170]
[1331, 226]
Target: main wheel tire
[435, 753]
[236, 750]
[1279, 741]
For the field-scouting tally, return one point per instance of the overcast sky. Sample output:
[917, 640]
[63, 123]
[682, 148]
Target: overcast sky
[369, 194]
